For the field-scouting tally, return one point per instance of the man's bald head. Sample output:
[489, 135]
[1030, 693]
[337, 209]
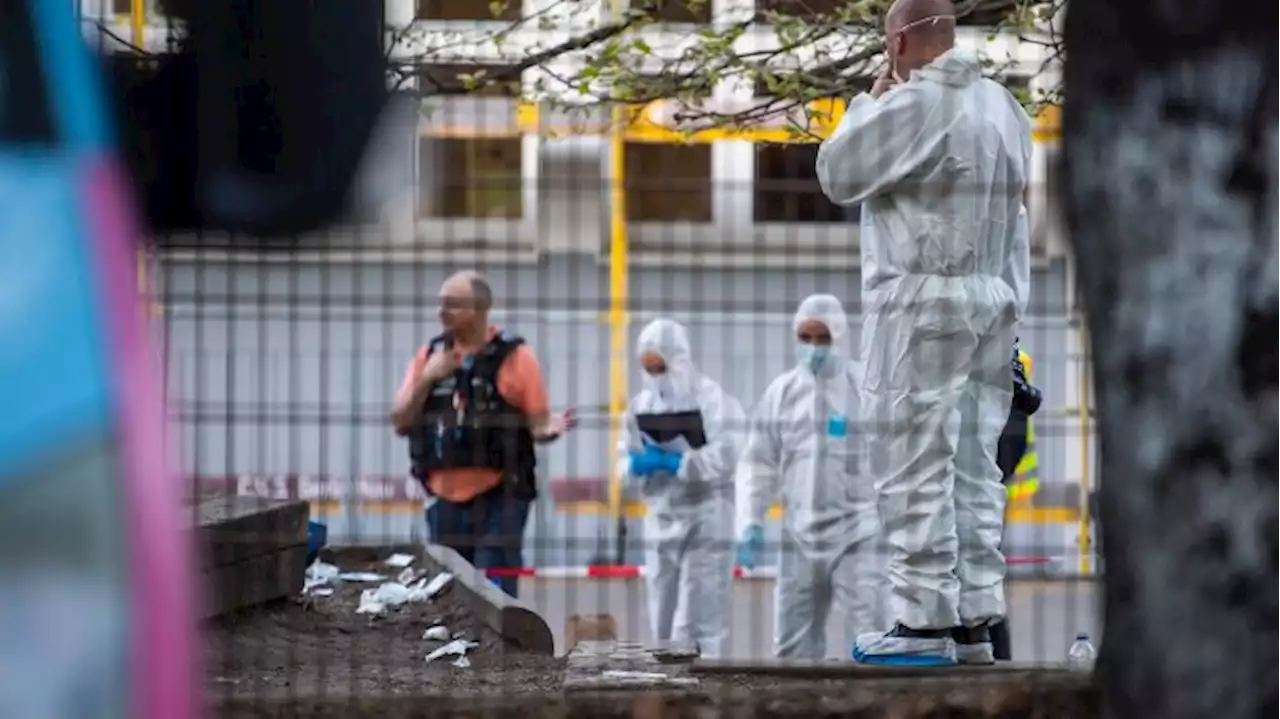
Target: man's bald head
[918, 31]
[910, 14]
[469, 284]
[465, 301]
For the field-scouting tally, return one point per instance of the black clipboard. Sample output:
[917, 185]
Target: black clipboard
[667, 426]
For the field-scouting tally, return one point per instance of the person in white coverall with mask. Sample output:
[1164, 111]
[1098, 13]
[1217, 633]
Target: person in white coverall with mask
[805, 449]
[939, 162]
[681, 440]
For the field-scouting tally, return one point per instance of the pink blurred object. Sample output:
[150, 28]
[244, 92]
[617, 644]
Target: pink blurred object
[162, 617]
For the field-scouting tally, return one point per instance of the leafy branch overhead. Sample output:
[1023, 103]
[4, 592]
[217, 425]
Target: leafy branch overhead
[788, 52]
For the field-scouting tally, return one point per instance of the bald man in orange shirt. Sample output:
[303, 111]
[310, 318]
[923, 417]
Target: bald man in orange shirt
[473, 405]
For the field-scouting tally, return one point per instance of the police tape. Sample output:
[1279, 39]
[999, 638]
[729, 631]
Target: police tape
[635, 571]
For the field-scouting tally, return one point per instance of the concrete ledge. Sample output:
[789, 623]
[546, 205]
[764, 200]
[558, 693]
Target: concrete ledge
[514, 621]
[842, 669]
[898, 699]
[251, 551]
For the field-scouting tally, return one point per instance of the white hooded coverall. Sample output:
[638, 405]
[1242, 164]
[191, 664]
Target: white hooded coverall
[688, 528]
[804, 448]
[939, 165]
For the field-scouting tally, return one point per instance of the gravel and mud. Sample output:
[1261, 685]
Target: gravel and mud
[317, 658]
[320, 647]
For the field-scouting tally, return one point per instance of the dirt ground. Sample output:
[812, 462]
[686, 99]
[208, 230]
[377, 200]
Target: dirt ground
[318, 659]
[320, 648]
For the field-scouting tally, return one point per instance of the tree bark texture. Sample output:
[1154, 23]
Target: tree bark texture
[1169, 187]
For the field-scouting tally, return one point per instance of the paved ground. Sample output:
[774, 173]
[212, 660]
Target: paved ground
[1046, 615]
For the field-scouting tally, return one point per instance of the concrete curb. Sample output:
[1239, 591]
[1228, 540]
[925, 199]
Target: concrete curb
[509, 617]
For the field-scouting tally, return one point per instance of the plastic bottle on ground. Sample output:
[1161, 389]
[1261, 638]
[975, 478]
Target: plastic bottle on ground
[1082, 654]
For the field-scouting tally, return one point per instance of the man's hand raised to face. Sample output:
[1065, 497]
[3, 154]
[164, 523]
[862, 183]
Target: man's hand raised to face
[883, 83]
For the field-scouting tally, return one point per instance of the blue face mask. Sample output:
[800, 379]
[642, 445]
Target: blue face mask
[812, 357]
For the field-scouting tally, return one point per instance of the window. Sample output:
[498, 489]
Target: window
[1019, 86]
[787, 189]
[803, 8]
[125, 7]
[471, 177]
[988, 14]
[507, 10]
[686, 11]
[856, 85]
[1017, 83]
[668, 183]
[468, 79]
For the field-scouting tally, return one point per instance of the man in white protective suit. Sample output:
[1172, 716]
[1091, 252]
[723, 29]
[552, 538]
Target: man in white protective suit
[938, 158]
[804, 448]
[681, 440]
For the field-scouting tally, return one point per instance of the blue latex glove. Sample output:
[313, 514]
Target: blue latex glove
[751, 546]
[654, 459]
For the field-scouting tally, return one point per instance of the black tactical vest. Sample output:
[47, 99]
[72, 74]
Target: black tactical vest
[466, 422]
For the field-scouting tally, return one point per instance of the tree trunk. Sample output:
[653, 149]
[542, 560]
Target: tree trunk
[1169, 181]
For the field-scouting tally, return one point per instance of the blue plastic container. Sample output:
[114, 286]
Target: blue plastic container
[317, 537]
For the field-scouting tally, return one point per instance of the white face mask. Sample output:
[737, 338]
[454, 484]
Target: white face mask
[813, 358]
[663, 385]
[671, 386]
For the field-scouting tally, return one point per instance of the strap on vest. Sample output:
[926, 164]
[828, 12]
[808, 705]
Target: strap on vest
[497, 348]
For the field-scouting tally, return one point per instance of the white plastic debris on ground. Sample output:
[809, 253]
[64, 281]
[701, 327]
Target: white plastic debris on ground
[387, 596]
[319, 575]
[410, 585]
[390, 595]
[361, 577]
[458, 647]
[399, 561]
[437, 584]
[438, 633]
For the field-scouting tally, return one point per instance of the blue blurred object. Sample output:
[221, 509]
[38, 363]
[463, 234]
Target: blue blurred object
[751, 546]
[317, 537]
[654, 459]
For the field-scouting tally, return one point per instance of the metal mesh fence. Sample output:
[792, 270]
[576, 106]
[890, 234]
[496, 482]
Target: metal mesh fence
[281, 367]
[281, 373]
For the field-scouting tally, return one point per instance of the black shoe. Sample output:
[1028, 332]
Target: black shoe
[941, 652]
[973, 644]
[971, 635]
[909, 633]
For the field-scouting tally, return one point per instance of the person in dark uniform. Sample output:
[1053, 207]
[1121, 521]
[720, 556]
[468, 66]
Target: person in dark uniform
[473, 405]
[1013, 447]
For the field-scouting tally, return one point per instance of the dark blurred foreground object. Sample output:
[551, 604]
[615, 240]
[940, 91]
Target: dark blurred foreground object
[258, 123]
[1169, 139]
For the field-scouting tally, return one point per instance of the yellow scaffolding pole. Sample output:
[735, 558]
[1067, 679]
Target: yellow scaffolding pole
[618, 276]
[1086, 464]
[137, 22]
[137, 35]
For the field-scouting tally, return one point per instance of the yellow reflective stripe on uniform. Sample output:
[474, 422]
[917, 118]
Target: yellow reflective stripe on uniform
[1026, 476]
[1023, 490]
